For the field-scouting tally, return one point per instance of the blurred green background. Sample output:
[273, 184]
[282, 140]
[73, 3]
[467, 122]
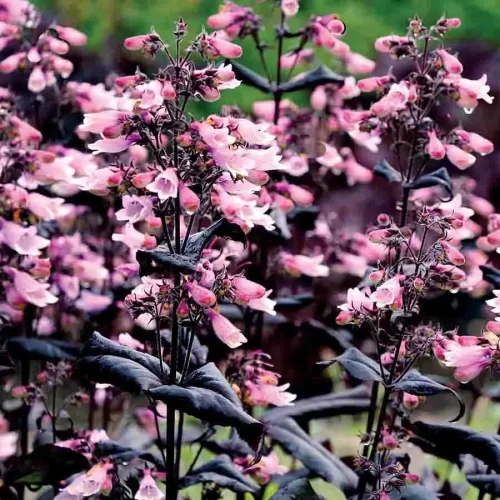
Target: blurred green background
[108, 21]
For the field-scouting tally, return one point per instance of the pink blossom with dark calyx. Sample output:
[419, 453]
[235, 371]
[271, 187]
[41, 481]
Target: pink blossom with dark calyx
[262, 394]
[245, 290]
[137, 42]
[253, 133]
[265, 469]
[458, 157]
[43, 207]
[357, 301]
[388, 293]
[471, 91]
[135, 208]
[201, 295]
[97, 123]
[435, 148]
[373, 83]
[476, 142]
[291, 59]
[219, 47]
[386, 43]
[133, 238]
[330, 158]
[205, 273]
[87, 484]
[469, 361]
[11, 63]
[71, 35]
[165, 184]
[395, 100]
[225, 330]
[25, 131]
[188, 199]
[450, 63]
[453, 254]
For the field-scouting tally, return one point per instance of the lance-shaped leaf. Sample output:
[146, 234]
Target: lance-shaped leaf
[312, 79]
[249, 77]
[413, 492]
[234, 447]
[351, 402]
[46, 465]
[363, 368]
[419, 385]
[119, 454]
[385, 170]
[489, 483]
[439, 177]
[105, 361]
[295, 490]
[357, 365]
[312, 455]
[491, 275]
[222, 472]
[161, 260]
[41, 350]
[451, 441]
[207, 395]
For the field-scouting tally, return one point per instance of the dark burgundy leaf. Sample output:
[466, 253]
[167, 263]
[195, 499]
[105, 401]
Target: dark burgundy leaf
[357, 365]
[439, 177]
[161, 260]
[206, 394]
[46, 465]
[312, 79]
[41, 350]
[419, 385]
[234, 447]
[118, 453]
[222, 472]
[489, 483]
[385, 170]
[300, 489]
[303, 217]
[413, 492]
[340, 338]
[105, 361]
[311, 454]
[351, 402]
[249, 77]
[451, 441]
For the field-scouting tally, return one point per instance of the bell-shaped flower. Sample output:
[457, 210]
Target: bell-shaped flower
[225, 330]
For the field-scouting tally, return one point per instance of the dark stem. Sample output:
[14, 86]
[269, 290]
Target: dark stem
[179, 445]
[158, 433]
[371, 416]
[277, 93]
[53, 417]
[197, 456]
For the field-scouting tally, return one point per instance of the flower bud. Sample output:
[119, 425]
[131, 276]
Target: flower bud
[435, 148]
[378, 235]
[410, 401]
[344, 318]
[188, 199]
[183, 309]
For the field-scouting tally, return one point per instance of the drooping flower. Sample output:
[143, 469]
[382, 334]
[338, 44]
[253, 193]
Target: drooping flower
[303, 264]
[148, 489]
[31, 290]
[165, 185]
[225, 330]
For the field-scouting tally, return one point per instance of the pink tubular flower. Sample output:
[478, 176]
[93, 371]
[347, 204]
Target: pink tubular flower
[136, 42]
[476, 142]
[31, 290]
[373, 83]
[219, 47]
[188, 199]
[25, 131]
[297, 265]
[246, 290]
[262, 394]
[135, 208]
[201, 295]
[452, 254]
[357, 301]
[12, 62]
[471, 91]
[148, 490]
[386, 43]
[469, 361]
[36, 80]
[117, 145]
[23, 240]
[458, 157]
[435, 148]
[359, 64]
[330, 158]
[225, 330]
[71, 35]
[265, 469]
[410, 401]
[165, 184]
[289, 7]
[90, 483]
[388, 294]
[395, 100]
[495, 303]
[263, 304]
[450, 63]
